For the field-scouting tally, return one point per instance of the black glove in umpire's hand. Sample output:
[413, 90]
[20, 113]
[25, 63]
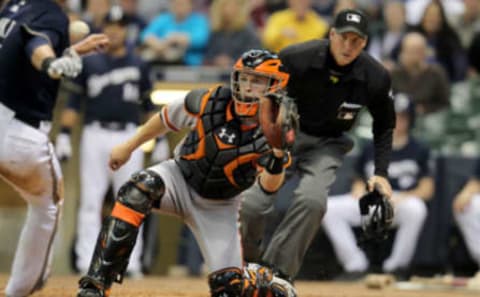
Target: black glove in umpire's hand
[68, 65]
[279, 120]
[377, 216]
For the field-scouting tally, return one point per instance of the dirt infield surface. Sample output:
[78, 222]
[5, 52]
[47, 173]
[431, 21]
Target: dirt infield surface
[197, 287]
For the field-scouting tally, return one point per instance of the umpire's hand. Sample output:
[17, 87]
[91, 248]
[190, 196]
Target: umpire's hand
[381, 184]
[119, 155]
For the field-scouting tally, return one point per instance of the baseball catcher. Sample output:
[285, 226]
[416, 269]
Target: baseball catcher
[218, 159]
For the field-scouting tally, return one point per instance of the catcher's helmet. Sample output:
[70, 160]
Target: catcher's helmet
[261, 63]
[377, 216]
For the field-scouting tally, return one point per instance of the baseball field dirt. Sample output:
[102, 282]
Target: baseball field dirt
[65, 286]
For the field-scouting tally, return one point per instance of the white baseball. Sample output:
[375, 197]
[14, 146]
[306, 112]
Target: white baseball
[78, 30]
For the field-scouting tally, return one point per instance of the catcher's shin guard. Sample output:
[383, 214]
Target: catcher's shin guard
[119, 233]
[110, 258]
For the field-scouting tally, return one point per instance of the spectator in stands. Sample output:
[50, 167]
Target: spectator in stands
[150, 9]
[466, 207]
[232, 33]
[385, 47]
[344, 4]
[324, 7]
[299, 22]
[136, 23]
[410, 178]
[443, 40]
[178, 36]
[474, 54]
[95, 13]
[427, 84]
[260, 11]
[468, 23]
[415, 9]
[259, 14]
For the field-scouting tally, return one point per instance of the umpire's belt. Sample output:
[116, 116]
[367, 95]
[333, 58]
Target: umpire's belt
[114, 126]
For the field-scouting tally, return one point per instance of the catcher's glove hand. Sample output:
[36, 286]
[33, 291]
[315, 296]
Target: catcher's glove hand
[279, 119]
[377, 216]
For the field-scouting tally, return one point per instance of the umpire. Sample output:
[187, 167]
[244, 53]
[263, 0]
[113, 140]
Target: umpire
[332, 80]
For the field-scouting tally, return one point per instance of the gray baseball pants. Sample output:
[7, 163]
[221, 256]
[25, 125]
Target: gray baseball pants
[316, 161]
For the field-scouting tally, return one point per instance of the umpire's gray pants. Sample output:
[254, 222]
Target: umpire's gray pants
[317, 159]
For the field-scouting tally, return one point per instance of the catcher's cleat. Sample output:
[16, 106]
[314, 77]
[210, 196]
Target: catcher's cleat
[282, 288]
[89, 287]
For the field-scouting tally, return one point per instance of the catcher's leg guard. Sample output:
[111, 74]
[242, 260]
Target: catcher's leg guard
[227, 282]
[119, 233]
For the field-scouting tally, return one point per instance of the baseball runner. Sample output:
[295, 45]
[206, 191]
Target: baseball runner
[331, 80]
[115, 88]
[412, 185]
[214, 163]
[466, 208]
[34, 54]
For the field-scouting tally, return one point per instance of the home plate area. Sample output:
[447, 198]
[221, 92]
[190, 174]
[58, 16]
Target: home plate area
[66, 286]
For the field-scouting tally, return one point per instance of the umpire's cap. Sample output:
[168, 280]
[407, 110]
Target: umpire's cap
[116, 16]
[351, 20]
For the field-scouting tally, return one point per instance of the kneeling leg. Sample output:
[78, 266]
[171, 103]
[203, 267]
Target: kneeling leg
[119, 232]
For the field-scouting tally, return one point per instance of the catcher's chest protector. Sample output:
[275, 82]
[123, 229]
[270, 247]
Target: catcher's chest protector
[218, 158]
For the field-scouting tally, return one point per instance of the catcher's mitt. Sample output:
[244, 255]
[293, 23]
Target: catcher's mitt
[278, 118]
[377, 216]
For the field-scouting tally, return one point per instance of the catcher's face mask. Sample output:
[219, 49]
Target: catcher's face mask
[254, 75]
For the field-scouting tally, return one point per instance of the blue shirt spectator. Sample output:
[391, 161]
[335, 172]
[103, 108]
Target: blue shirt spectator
[181, 31]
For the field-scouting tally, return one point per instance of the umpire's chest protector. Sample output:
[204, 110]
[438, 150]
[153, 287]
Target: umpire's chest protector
[218, 159]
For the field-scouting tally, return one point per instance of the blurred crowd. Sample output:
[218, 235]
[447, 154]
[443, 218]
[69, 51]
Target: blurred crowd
[437, 67]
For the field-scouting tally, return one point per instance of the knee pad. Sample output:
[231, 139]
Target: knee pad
[142, 191]
[227, 282]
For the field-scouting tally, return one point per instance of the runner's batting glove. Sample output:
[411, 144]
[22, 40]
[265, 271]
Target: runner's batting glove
[69, 65]
[63, 146]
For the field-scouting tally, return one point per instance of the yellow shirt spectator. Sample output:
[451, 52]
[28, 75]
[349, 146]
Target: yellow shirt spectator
[287, 27]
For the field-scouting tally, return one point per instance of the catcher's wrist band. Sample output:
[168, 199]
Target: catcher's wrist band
[274, 164]
[46, 64]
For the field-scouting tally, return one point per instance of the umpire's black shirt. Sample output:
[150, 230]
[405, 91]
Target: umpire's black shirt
[329, 97]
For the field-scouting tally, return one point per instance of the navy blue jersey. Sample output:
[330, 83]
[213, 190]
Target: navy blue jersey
[29, 92]
[116, 89]
[407, 166]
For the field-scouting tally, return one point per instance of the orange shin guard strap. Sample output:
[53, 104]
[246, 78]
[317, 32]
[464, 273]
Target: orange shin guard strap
[127, 214]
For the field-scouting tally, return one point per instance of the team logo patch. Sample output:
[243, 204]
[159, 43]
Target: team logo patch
[348, 111]
[351, 17]
[227, 135]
